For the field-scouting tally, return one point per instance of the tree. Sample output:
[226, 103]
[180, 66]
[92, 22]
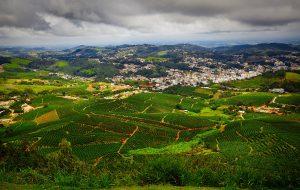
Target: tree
[64, 144]
[8, 132]
[179, 107]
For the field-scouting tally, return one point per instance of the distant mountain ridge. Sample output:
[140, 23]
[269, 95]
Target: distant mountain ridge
[149, 49]
[262, 46]
[190, 47]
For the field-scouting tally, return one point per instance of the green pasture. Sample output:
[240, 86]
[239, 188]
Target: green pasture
[61, 64]
[291, 99]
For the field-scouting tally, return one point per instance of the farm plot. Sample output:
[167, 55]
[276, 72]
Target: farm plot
[247, 99]
[47, 117]
[149, 137]
[89, 152]
[43, 100]
[107, 106]
[291, 99]
[254, 144]
[189, 121]
[139, 103]
[290, 76]
[192, 104]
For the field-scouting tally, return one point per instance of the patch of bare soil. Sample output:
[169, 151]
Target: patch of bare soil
[266, 109]
[7, 103]
[27, 108]
[120, 87]
[124, 141]
[70, 97]
[7, 121]
[90, 88]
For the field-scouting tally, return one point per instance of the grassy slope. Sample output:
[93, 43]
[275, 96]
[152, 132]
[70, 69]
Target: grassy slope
[61, 64]
[148, 187]
[295, 77]
[96, 127]
[255, 82]
[291, 99]
[260, 81]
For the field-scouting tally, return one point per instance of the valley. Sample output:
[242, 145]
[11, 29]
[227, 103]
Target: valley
[132, 133]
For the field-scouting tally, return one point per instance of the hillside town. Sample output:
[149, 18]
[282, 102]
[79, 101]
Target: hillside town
[199, 73]
[160, 67]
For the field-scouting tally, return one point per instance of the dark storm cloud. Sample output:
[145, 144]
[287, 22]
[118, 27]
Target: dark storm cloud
[253, 12]
[27, 13]
[21, 14]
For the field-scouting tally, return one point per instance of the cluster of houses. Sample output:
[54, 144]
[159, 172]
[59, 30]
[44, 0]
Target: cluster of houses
[204, 75]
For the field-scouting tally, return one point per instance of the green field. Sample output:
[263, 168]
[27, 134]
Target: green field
[73, 136]
[16, 63]
[255, 82]
[279, 79]
[290, 76]
[155, 59]
[291, 99]
[61, 64]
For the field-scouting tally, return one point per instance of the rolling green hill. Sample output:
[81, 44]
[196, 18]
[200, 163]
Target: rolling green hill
[78, 133]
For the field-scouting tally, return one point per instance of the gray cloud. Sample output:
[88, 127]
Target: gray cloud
[24, 13]
[254, 12]
[76, 17]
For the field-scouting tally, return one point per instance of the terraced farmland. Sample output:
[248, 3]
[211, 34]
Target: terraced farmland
[218, 133]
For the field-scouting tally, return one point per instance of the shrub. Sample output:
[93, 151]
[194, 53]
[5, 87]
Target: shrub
[165, 170]
[206, 177]
[248, 178]
[214, 107]
[179, 107]
[32, 176]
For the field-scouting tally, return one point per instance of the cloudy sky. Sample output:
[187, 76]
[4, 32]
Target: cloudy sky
[105, 22]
